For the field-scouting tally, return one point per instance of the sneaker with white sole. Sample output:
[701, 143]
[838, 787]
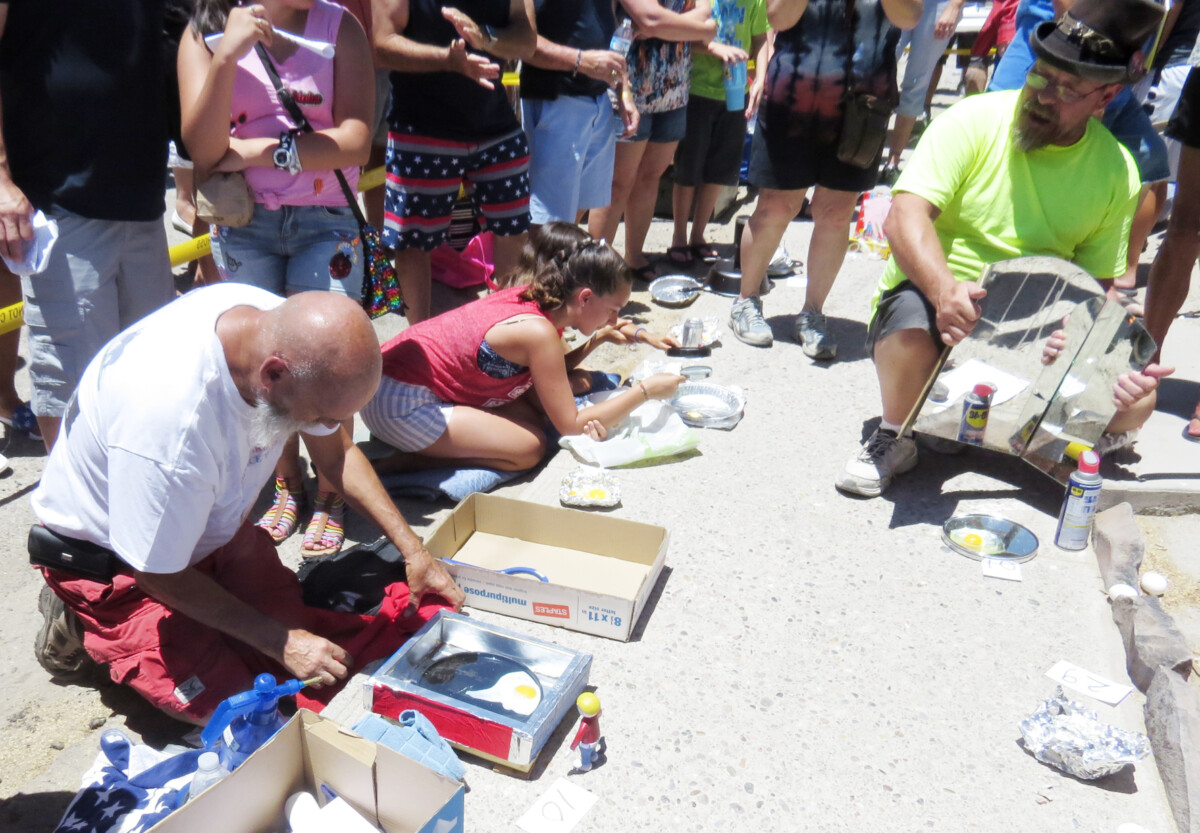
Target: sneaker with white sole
[813, 336]
[747, 322]
[882, 457]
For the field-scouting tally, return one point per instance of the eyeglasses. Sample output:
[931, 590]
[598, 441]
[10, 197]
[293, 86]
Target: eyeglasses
[1067, 95]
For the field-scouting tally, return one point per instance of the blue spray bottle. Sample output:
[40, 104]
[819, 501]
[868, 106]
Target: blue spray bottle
[246, 721]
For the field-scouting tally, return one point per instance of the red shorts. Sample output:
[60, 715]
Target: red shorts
[186, 668]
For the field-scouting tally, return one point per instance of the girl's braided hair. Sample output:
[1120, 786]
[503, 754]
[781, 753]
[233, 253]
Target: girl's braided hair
[561, 259]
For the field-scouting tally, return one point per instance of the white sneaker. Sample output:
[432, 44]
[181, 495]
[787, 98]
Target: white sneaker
[871, 470]
[747, 322]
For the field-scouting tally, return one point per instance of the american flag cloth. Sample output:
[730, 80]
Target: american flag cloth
[129, 788]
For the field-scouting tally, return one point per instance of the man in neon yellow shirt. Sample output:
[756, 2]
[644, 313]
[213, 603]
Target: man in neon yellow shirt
[997, 176]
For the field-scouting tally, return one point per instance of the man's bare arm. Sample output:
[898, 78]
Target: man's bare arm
[198, 597]
[396, 52]
[349, 472]
[918, 253]
[16, 212]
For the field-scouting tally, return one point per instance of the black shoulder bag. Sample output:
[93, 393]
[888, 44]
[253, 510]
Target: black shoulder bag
[864, 116]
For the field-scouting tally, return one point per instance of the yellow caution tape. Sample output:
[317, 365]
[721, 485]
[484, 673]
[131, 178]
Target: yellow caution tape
[11, 317]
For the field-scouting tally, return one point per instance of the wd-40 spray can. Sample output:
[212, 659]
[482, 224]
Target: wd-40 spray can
[1080, 503]
[976, 407]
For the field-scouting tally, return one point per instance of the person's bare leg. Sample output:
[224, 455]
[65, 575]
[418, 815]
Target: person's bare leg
[683, 197]
[505, 439]
[506, 251]
[373, 199]
[48, 427]
[826, 252]
[10, 293]
[903, 362]
[415, 279]
[1171, 273]
[706, 200]
[1149, 206]
[774, 211]
[901, 133]
[603, 222]
[639, 209]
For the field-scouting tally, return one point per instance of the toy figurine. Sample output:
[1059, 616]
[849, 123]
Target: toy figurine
[588, 736]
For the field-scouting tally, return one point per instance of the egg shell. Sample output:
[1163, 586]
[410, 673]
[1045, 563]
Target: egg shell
[1155, 583]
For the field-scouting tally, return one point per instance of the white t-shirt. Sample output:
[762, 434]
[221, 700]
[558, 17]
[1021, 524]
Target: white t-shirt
[154, 460]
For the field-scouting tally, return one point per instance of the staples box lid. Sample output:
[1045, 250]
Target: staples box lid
[599, 570]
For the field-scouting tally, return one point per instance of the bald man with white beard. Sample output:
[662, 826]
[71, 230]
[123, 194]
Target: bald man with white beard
[175, 428]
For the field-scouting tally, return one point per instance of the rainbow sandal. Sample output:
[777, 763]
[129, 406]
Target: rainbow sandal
[280, 520]
[326, 530]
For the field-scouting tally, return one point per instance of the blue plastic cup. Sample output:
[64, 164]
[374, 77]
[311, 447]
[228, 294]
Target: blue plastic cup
[735, 86]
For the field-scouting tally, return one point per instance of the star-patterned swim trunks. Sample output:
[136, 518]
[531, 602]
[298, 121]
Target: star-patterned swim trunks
[423, 178]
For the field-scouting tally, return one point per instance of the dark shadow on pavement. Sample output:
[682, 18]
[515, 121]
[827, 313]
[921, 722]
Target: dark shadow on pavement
[33, 812]
[639, 627]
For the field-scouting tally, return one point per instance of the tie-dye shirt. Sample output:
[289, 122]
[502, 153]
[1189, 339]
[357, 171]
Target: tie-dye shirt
[660, 71]
[807, 75]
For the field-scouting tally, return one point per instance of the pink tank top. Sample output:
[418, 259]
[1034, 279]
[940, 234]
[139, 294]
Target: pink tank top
[256, 113]
[440, 353]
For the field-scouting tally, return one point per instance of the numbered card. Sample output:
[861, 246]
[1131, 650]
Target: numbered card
[1001, 568]
[1085, 682]
[558, 810]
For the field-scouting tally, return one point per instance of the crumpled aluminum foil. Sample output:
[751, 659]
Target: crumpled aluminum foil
[589, 487]
[1067, 736]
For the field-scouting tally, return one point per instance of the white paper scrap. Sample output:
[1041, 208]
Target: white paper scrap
[1085, 682]
[1001, 568]
[558, 810]
[962, 379]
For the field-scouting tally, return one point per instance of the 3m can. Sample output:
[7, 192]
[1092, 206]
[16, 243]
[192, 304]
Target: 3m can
[976, 407]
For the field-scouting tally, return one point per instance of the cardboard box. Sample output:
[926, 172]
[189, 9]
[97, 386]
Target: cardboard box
[389, 790]
[600, 569]
[440, 672]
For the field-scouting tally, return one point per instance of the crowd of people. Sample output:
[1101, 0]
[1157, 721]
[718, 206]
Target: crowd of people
[165, 420]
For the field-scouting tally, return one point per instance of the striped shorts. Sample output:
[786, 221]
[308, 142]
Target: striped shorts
[407, 417]
[424, 175]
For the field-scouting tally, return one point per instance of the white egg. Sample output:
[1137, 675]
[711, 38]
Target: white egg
[1154, 583]
[1120, 591]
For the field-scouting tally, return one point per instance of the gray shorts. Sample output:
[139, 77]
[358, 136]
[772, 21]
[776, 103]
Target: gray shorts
[103, 276]
[902, 308]
[407, 417]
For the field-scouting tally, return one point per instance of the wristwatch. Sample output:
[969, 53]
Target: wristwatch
[286, 157]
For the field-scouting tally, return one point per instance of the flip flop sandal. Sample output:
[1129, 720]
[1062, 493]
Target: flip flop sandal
[706, 253]
[681, 255]
[326, 531]
[23, 420]
[280, 520]
[646, 273]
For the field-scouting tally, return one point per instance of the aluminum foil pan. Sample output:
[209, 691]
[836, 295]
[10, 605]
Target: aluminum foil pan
[589, 487]
[706, 405]
[988, 536]
[675, 290]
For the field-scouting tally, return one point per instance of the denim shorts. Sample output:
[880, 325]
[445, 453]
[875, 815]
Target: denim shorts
[661, 127]
[572, 143]
[1131, 126]
[407, 417]
[103, 276]
[294, 248]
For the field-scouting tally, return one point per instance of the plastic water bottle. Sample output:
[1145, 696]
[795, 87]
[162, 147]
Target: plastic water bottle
[246, 721]
[1080, 504]
[208, 772]
[622, 39]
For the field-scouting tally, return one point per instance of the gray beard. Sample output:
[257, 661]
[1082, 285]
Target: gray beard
[269, 425]
[1026, 141]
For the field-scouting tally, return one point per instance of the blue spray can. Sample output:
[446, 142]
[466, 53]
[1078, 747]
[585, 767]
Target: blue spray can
[1080, 504]
[977, 405]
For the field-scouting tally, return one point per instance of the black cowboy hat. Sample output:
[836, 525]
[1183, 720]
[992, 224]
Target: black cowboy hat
[1096, 39]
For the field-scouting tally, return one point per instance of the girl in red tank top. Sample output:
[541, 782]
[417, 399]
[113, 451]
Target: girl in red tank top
[453, 386]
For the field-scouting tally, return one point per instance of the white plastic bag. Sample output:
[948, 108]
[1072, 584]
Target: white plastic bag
[651, 431]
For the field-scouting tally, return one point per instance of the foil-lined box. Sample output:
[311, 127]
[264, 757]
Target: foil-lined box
[488, 690]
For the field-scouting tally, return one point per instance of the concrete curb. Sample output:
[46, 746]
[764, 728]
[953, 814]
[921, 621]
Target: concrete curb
[1160, 663]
